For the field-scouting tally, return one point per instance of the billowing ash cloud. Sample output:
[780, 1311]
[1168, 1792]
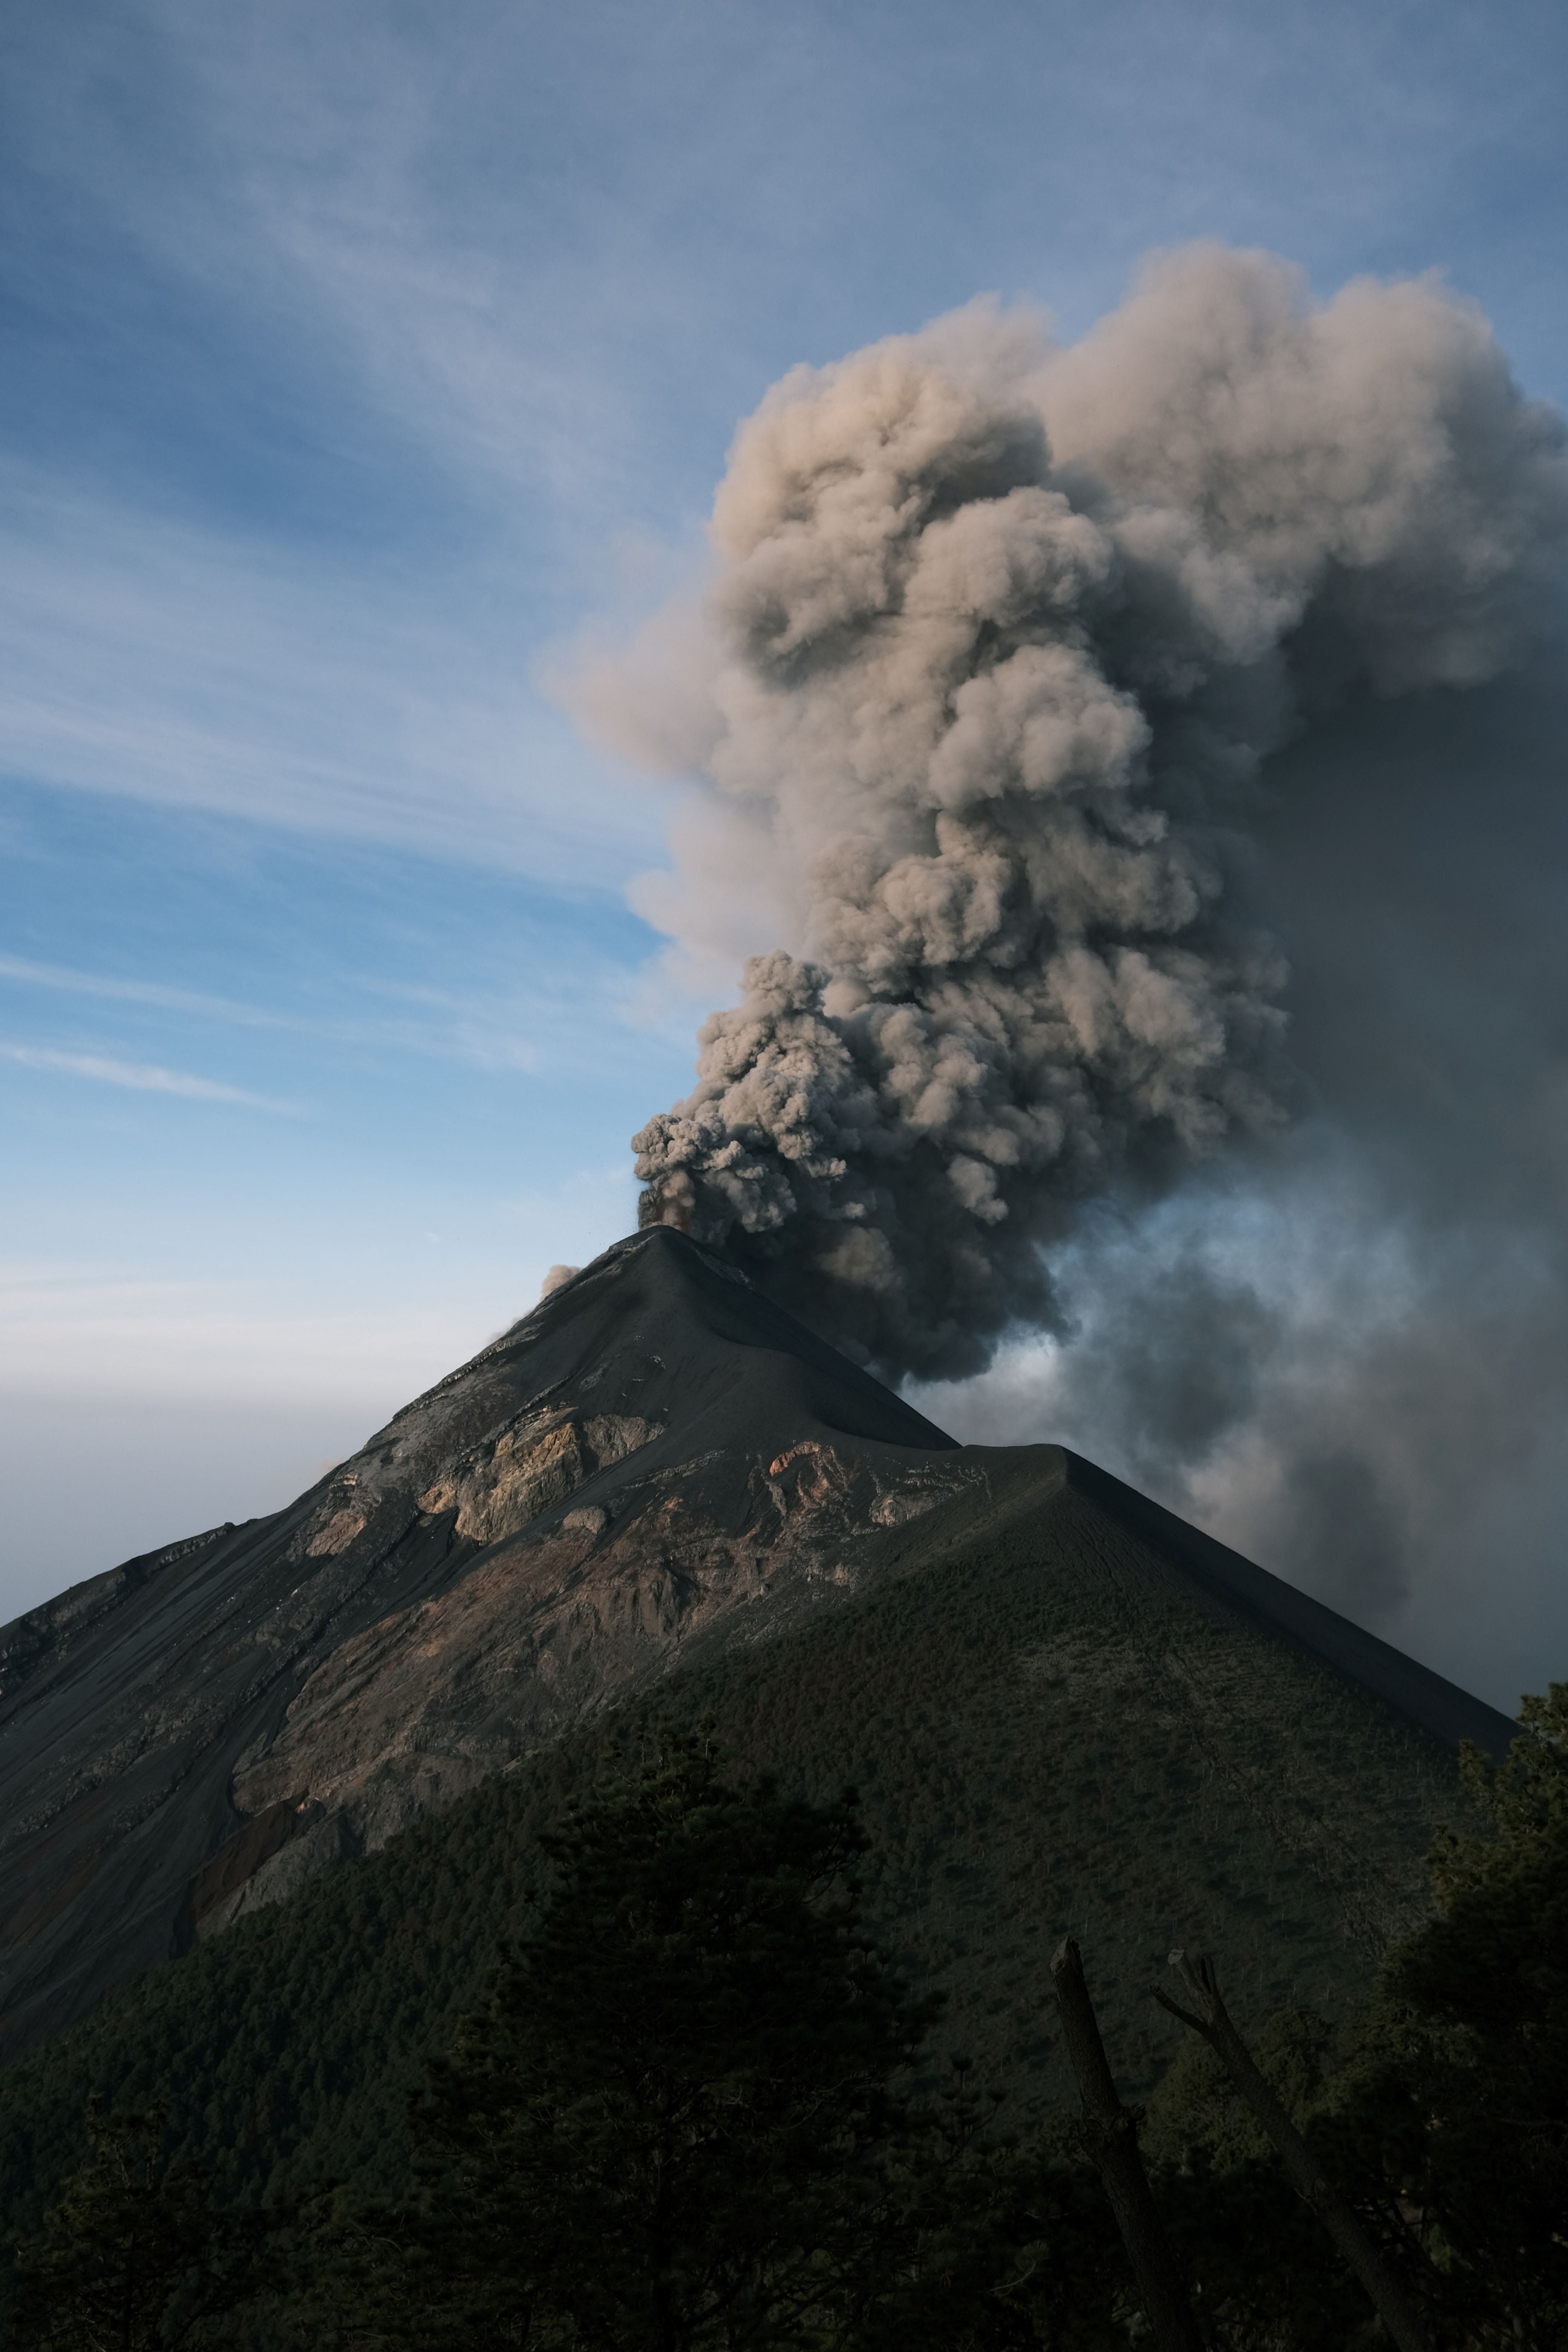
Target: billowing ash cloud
[1001, 643]
[1145, 762]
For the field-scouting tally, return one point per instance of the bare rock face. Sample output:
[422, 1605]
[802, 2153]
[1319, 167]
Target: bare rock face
[655, 1461]
[200, 1730]
[512, 1477]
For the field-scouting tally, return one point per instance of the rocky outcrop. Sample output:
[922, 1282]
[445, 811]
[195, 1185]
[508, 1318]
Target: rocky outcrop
[512, 1477]
[655, 1461]
[540, 1533]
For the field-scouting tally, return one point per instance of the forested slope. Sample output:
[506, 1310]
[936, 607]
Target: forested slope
[656, 1467]
[1050, 1728]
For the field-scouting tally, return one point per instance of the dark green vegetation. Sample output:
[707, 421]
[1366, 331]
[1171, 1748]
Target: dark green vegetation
[1096, 1750]
[1441, 2109]
[136, 2251]
[690, 2114]
[682, 2116]
[1034, 1754]
[686, 2118]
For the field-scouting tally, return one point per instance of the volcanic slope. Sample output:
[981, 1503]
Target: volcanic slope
[659, 1473]
[1046, 1730]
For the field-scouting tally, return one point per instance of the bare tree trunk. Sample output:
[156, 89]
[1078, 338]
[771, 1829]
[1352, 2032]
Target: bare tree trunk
[1305, 2174]
[1110, 2136]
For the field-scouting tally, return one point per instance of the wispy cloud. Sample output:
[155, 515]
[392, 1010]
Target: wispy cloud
[115, 989]
[143, 1077]
[577, 1002]
[197, 668]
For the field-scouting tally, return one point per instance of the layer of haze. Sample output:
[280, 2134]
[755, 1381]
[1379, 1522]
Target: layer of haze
[357, 361]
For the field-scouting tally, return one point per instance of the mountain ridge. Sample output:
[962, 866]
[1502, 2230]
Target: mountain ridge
[656, 1464]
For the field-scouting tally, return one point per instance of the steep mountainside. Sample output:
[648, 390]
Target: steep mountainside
[655, 1471]
[1049, 1729]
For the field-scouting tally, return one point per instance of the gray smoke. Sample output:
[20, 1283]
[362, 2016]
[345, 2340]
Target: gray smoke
[1000, 641]
[1145, 756]
[1347, 1353]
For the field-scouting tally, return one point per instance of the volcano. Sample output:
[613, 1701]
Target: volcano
[654, 1475]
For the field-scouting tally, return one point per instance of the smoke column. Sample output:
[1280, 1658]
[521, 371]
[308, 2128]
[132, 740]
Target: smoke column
[1131, 745]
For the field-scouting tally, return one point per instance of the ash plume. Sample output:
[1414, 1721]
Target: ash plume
[999, 643]
[1141, 764]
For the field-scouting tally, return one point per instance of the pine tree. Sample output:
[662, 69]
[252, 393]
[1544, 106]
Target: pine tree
[1442, 2112]
[133, 2254]
[1455, 2103]
[681, 2120]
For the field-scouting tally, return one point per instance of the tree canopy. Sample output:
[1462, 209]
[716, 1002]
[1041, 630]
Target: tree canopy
[1441, 2110]
[134, 2257]
[685, 2115]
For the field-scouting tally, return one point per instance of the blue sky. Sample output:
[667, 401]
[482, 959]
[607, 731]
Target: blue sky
[358, 359]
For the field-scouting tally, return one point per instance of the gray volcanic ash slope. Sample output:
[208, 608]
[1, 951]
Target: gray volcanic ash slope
[656, 1468]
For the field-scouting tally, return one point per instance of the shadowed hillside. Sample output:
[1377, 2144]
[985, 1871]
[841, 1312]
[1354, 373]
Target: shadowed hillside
[1064, 1709]
[1052, 1724]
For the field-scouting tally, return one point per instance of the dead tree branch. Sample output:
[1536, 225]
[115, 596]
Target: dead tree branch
[1111, 2139]
[1305, 2174]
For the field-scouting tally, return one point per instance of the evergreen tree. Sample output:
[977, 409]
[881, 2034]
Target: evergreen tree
[671, 2123]
[133, 2255]
[1442, 2112]
[1455, 2104]
[1265, 2277]
[678, 2121]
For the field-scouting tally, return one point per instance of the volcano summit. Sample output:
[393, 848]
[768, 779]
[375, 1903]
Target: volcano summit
[658, 1477]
